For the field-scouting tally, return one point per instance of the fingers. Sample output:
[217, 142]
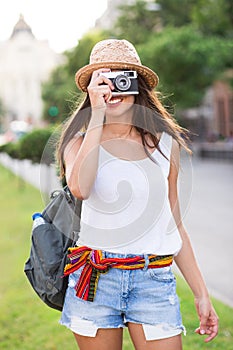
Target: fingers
[208, 325]
[211, 332]
[98, 72]
[98, 79]
[100, 88]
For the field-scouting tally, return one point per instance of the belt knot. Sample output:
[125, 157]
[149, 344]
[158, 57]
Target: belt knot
[94, 264]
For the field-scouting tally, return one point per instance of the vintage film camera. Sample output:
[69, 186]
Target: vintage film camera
[125, 82]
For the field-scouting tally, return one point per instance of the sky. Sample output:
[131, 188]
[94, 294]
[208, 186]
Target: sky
[61, 22]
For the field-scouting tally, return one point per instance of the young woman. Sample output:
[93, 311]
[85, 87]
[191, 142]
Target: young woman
[125, 169]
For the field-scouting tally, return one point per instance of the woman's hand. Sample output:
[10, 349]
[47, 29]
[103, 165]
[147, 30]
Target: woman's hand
[208, 318]
[100, 89]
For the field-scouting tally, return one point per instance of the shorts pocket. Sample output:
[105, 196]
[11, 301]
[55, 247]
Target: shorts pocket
[163, 274]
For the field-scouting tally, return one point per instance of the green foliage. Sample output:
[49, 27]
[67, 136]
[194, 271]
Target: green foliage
[57, 93]
[79, 56]
[176, 13]
[61, 92]
[213, 17]
[136, 22]
[32, 146]
[187, 62]
[38, 146]
[12, 149]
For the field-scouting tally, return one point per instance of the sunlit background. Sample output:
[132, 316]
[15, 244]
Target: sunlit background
[61, 22]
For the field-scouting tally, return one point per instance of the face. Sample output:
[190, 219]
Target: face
[117, 106]
[120, 106]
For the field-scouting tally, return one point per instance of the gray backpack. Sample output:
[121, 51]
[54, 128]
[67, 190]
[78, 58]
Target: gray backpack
[49, 245]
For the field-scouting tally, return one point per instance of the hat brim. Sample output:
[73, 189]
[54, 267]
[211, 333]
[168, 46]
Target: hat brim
[83, 75]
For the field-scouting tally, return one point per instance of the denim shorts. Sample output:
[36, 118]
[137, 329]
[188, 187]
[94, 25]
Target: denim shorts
[145, 296]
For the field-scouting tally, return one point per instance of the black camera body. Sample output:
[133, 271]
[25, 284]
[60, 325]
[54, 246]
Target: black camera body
[125, 82]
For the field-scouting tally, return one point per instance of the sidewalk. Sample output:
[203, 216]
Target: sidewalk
[210, 226]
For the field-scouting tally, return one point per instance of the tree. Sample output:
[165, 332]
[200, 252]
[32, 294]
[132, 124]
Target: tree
[188, 53]
[60, 93]
[57, 94]
[187, 62]
[213, 17]
[79, 56]
[176, 13]
[136, 22]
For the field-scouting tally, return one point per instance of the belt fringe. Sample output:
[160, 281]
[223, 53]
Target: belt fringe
[94, 264]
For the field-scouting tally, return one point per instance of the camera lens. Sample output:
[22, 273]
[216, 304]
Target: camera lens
[122, 83]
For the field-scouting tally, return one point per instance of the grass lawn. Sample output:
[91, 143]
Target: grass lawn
[28, 324]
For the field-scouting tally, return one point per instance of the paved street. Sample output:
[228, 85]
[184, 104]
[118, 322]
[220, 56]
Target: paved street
[209, 220]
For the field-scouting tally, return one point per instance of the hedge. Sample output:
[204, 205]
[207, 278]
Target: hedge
[10, 148]
[37, 146]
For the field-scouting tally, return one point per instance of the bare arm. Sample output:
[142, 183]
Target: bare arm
[81, 154]
[186, 260]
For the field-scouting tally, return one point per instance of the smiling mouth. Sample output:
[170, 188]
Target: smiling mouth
[115, 100]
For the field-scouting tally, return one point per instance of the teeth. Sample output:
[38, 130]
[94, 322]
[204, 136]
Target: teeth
[115, 100]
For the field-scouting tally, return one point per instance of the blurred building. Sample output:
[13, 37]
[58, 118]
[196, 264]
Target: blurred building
[109, 17]
[213, 119]
[223, 107]
[25, 63]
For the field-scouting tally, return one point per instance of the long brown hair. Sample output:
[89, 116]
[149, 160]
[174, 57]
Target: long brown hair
[150, 118]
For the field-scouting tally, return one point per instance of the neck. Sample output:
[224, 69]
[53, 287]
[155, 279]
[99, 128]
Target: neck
[118, 130]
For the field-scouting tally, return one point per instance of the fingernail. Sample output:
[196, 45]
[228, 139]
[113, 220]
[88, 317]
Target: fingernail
[202, 331]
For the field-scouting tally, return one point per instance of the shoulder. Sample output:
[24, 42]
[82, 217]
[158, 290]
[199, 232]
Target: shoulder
[73, 145]
[168, 145]
[169, 140]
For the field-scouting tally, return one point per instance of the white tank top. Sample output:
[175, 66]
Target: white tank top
[128, 210]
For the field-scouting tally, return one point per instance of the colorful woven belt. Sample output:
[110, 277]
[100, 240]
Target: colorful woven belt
[94, 264]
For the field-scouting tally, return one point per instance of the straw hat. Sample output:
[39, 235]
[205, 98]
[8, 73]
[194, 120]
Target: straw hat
[114, 54]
